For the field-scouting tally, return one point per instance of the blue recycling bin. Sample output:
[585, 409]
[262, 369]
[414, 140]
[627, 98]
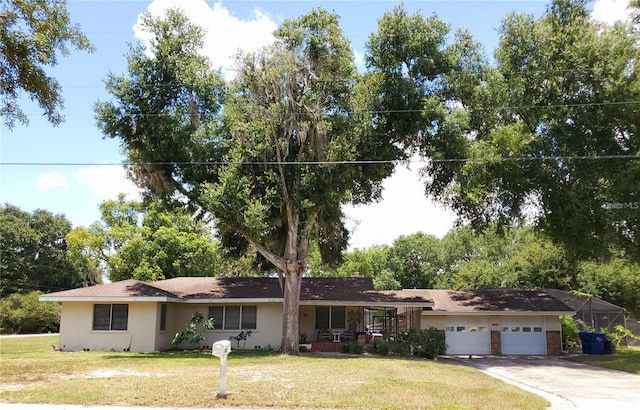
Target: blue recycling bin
[597, 343]
[585, 341]
[592, 342]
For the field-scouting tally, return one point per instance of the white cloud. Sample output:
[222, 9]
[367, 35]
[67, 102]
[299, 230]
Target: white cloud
[51, 180]
[404, 210]
[226, 33]
[107, 181]
[610, 11]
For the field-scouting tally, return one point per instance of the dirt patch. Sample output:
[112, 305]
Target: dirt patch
[12, 387]
[108, 373]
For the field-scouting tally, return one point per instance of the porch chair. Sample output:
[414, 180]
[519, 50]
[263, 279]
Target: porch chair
[324, 333]
[350, 333]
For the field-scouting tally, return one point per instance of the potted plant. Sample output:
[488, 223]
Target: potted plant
[302, 343]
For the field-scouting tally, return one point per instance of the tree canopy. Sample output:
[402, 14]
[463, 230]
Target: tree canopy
[552, 133]
[33, 35]
[33, 253]
[134, 241]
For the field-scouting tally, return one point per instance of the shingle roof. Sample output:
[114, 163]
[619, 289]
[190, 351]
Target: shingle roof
[222, 288]
[226, 288]
[355, 289]
[494, 300]
[125, 288]
[335, 288]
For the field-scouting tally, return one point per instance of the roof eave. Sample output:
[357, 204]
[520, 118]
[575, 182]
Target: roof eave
[232, 300]
[496, 312]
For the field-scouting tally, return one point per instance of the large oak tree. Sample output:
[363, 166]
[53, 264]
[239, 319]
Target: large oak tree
[299, 135]
[552, 132]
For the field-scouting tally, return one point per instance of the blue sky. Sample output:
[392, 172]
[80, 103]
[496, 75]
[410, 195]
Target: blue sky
[71, 168]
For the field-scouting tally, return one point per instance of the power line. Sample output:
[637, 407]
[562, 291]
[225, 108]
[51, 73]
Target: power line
[409, 111]
[346, 162]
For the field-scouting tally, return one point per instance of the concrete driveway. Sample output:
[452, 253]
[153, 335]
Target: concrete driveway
[566, 384]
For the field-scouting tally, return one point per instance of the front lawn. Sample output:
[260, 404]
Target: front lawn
[32, 373]
[626, 359]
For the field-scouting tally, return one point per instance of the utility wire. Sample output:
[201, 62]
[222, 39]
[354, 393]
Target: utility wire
[418, 110]
[318, 163]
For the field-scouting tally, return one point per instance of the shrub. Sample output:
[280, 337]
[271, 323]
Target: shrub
[242, 336]
[570, 334]
[432, 343]
[620, 335]
[357, 347]
[382, 348]
[345, 348]
[24, 313]
[303, 349]
[193, 331]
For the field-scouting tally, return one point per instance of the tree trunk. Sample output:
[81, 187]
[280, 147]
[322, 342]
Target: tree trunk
[291, 310]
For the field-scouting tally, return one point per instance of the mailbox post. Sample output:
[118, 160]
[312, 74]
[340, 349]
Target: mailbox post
[221, 349]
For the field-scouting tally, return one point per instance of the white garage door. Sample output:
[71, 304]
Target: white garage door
[468, 335]
[523, 335]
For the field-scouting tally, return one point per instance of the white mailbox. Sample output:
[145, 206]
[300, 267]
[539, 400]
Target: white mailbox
[221, 349]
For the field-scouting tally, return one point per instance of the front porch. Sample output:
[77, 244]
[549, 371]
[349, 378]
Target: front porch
[325, 346]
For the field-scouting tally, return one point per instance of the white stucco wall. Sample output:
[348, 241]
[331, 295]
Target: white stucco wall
[76, 329]
[163, 338]
[436, 321]
[308, 322]
[553, 323]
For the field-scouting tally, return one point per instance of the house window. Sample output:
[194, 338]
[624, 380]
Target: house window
[322, 317]
[217, 314]
[163, 317]
[330, 317]
[110, 316]
[337, 317]
[234, 317]
[249, 317]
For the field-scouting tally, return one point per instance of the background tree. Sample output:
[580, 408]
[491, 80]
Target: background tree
[617, 282]
[24, 313]
[33, 34]
[553, 135]
[33, 252]
[415, 260]
[145, 243]
[517, 258]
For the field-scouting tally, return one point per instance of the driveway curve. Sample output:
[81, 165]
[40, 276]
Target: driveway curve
[566, 384]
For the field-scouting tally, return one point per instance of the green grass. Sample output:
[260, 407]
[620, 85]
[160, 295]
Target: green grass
[31, 373]
[626, 359]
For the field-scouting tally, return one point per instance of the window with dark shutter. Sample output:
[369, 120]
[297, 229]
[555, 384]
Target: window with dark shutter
[249, 317]
[163, 317]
